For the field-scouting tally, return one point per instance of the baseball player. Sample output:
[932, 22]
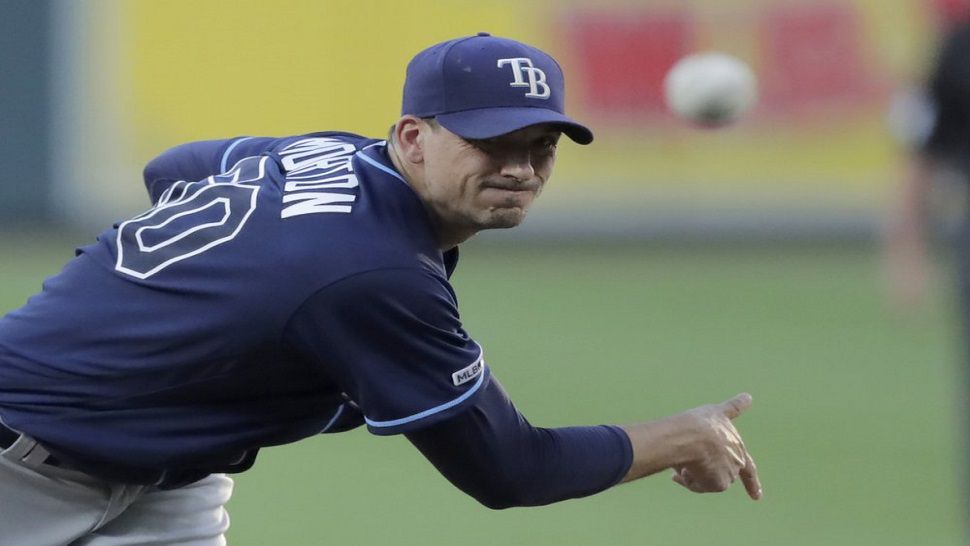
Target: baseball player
[940, 148]
[281, 288]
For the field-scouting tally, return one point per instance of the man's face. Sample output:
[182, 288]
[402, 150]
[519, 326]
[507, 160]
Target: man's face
[471, 185]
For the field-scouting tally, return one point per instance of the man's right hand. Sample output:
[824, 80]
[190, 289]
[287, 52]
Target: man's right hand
[701, 445]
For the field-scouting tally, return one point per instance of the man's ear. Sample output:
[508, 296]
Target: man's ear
[409, 133]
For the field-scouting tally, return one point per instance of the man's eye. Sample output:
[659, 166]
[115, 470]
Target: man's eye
[548, 145]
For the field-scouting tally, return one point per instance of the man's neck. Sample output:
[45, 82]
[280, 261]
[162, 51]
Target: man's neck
[447, 239]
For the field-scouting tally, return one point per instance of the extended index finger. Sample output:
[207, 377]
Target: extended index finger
[736, 406]
[749, 477]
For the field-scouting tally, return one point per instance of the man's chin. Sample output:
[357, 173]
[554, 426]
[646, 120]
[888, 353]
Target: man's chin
[504, 218]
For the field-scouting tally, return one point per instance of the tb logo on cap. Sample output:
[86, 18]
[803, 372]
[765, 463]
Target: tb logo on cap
[523, 70]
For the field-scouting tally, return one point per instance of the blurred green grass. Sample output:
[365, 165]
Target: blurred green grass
[854, 425]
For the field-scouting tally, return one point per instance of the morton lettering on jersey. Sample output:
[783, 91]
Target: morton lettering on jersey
[313, 165]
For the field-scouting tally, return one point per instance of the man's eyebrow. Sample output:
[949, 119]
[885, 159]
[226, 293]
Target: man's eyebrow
[479, 142]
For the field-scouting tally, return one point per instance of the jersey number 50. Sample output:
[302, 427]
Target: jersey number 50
[189, 219]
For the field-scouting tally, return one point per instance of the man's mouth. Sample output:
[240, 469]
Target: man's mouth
[526, 187]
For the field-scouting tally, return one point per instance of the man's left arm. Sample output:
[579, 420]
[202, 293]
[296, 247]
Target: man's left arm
[199, 160]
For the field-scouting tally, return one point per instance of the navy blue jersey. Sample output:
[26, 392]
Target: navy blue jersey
[295, 288]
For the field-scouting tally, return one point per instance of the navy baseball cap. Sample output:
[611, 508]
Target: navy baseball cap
[484, 86]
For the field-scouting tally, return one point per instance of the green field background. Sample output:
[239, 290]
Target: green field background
[854, 424]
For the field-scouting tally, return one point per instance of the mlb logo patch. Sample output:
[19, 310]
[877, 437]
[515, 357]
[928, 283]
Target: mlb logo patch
[465, 375]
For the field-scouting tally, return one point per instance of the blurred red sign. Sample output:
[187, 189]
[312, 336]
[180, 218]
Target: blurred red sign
[807, 55]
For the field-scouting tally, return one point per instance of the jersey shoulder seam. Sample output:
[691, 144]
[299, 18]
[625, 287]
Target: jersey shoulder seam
[286, 325]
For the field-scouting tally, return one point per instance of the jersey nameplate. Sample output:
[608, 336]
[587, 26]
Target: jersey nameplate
[314, 168]
[465, 375]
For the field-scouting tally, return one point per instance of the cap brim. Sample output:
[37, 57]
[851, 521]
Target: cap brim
[492, 122]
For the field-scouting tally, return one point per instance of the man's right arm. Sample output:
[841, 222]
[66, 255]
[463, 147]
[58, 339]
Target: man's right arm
[393, 340]
[492, 453]
[701, 445]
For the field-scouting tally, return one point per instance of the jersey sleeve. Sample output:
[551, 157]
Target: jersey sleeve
[393, 340]
[198, 160]
[492, 453]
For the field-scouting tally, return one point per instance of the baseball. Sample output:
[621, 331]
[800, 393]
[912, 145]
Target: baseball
[710, 89]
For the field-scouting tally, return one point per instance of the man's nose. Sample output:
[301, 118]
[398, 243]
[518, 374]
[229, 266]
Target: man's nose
[518, 166]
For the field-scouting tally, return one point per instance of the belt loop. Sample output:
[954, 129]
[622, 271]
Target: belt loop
[36, 456]
[21, 448]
